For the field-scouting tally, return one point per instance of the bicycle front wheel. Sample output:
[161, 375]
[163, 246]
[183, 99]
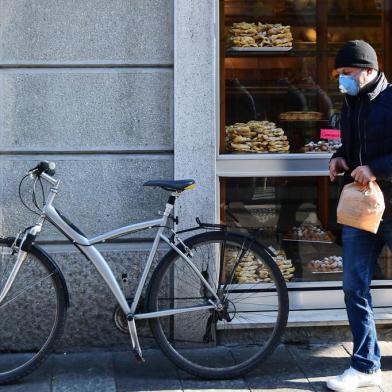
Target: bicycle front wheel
[32, 315]
[233, 340]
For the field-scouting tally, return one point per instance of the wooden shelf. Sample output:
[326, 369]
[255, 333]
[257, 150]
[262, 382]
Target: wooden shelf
[256, 53]
[305, 19]
[300, 49]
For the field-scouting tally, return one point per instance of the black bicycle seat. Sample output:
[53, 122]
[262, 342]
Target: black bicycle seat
[172, 185]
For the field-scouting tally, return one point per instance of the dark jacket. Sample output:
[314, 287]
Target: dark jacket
[366, 125]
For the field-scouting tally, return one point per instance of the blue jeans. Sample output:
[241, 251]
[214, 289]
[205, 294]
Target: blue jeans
[360, 253]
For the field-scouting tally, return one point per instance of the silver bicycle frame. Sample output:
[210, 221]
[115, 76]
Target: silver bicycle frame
[86, 246]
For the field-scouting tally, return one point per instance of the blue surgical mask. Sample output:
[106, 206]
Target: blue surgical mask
[348, 85]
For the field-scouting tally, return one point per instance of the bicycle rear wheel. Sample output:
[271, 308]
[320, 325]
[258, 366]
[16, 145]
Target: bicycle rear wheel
[234, 340]
[32, 315]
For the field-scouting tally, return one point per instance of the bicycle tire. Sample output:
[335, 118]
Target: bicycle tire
[24, 312]
[170, 333]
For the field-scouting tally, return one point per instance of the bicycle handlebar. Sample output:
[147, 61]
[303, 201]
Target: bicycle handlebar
[44, 167]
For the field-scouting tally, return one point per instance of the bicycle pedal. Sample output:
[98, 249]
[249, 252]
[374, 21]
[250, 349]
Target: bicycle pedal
[139, 357]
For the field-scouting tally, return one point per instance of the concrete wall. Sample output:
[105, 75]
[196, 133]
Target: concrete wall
[89, 85]
[195, 106]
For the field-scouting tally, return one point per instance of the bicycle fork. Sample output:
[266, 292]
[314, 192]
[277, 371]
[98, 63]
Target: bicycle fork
[21, 258]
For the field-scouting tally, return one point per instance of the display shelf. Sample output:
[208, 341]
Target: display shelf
[365, 19]
[290, 19]
[308, 241]
[261, 49]
[303, 121]
[334, 47]
[258, 165]
[335, 20]
[300, 51]
[273, 53]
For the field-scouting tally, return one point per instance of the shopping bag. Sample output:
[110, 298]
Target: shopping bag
[361, 206]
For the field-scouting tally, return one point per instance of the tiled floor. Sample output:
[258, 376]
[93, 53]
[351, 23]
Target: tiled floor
[291, 368]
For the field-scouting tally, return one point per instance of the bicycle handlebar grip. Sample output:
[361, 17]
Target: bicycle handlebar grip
[46, 167]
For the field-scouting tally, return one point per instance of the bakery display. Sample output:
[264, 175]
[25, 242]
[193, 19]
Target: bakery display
[301, 116]
[256, 137]
[322, 146]
[308, 232]
[327, 264]
[252, 270]
[258, 35]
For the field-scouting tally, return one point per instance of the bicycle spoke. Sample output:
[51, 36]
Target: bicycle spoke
[252, 295]
[24, 290]
[242, 305]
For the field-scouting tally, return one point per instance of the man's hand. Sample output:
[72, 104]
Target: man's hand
[363, 175]
[336, 166]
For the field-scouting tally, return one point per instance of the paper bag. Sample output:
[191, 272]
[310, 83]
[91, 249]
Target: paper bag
[361, 206]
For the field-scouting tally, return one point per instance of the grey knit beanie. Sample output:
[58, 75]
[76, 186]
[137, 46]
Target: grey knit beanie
[357, 54]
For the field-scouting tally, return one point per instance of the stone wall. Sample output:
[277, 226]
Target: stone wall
[89, 85]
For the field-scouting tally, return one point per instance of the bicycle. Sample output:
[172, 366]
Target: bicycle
[202, 300]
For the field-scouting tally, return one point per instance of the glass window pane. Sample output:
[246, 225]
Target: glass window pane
[296, 217]
[277, 67]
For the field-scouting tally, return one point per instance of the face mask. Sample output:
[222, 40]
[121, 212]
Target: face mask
[348, 85]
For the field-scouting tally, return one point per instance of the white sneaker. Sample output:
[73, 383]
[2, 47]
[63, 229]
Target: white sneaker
[352, 379]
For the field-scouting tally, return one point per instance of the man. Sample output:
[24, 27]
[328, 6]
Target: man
[365, 155]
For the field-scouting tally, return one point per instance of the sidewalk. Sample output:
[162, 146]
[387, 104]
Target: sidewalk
[291, 368]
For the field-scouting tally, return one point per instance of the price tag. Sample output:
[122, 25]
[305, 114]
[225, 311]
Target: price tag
[330, 134]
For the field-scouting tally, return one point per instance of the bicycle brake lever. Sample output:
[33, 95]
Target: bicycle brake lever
[32, 173]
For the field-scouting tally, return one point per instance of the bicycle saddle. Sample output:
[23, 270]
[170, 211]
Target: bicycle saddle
[172, 185]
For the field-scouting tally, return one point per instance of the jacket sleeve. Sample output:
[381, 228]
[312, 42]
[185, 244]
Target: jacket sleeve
[382, 167]
[339, 153]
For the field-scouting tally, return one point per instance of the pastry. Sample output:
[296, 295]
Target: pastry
[327, 264]
[309, 35]
[244, 42]
[247, 35]
[252, 270]
[257, 137]
[322, 146]
[309, 232]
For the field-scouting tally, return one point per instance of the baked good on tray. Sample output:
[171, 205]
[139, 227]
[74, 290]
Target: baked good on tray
[327, 264]
[257, 137]
[322, 146]
[252, 270]
[309, 232]
[246, 35]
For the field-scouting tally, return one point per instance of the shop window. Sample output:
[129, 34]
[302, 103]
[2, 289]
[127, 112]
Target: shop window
[296, 218]
[278, 87]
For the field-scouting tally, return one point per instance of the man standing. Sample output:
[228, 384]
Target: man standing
[365, 155]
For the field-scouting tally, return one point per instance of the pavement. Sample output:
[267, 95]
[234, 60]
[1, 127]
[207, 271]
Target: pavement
[291, 368]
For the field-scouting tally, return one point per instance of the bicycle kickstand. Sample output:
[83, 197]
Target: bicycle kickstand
[135, 341]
